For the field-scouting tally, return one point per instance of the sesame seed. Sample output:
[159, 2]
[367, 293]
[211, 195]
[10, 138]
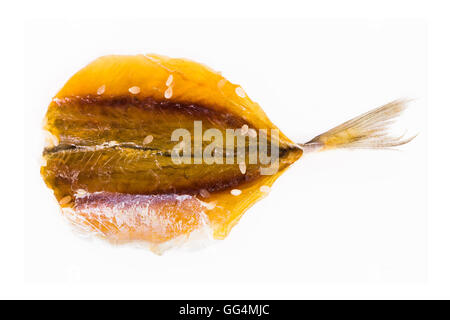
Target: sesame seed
[235, 192]
[134, 90]
[252, 133]
[242, 167]
[101, 90]
[148, 139]
[81, 193]
[51, 140]
[221, 83]
[210, 205]
[244, 129]
[240, 92]
[168, 93]
[169, 80]
[265, 189]
[65, 200]
[204, 193]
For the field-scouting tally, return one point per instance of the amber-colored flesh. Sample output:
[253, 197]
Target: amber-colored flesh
[82, 161]
[134, 171]
[96, 120]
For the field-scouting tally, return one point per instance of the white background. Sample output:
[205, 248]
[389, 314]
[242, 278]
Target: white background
[338, 224]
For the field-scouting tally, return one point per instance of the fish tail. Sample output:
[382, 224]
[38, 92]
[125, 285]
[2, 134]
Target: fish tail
[367, 131]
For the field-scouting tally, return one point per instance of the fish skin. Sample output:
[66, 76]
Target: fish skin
[121, 217]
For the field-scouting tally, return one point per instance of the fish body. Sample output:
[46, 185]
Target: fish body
[150, 148]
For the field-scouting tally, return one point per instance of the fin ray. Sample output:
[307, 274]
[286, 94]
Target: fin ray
[367, 131]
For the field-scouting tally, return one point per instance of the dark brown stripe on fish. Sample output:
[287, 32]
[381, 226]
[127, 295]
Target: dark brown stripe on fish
[148, 103]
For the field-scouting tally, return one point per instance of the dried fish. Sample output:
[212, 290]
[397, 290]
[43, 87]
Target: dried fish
[153, 149]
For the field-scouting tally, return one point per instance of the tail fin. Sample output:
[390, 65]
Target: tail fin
[367, 131]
